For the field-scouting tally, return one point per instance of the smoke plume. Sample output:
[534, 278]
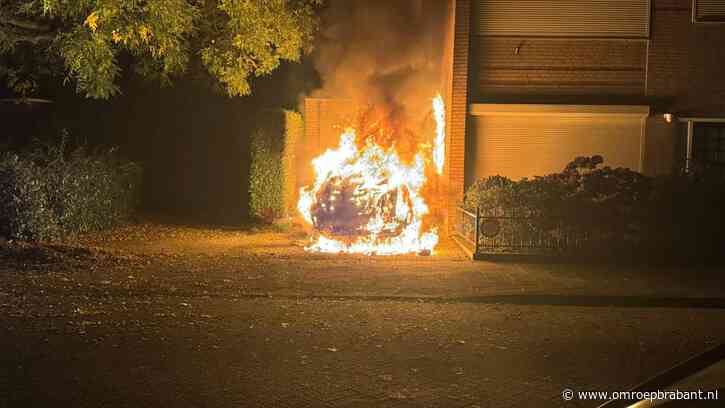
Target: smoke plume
[385, 53]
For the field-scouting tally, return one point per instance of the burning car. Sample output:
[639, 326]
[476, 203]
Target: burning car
[366, 199]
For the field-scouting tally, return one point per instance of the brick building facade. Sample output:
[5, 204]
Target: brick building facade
[529, 85]
[534, 84]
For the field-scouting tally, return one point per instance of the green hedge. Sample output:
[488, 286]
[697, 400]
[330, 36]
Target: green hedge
[673, 216]
[272, 182]
[605, 200]
[49, 192]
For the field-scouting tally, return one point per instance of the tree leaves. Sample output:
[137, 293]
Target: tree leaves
[91, 63]
[234, 39]
[256, 37]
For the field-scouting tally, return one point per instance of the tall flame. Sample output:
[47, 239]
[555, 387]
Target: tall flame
[439, 146]
[366, 200]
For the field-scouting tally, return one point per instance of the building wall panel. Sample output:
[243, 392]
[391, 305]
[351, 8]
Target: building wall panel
[659, 150]
[685, 62]
[566, 18]
[508, 67]
[458, 105]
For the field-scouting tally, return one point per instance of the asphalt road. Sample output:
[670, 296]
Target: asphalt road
[190, 329]
[238, 352]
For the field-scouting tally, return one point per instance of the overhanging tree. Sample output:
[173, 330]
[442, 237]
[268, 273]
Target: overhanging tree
[81, 41]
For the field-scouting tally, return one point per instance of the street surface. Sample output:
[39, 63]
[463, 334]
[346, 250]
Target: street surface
[153, 315]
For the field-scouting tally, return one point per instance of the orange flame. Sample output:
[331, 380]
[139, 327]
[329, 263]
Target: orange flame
[366, 200]
[439, 146]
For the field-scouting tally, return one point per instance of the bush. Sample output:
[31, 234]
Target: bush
[583, 192]
[49, 192]
[272, 182]
[25, 209]
[675, 215]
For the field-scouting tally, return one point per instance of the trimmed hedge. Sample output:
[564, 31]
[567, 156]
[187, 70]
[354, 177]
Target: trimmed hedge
[674, 216]
[605, 200]
[272, 177]
[294, 127]
[49, 192]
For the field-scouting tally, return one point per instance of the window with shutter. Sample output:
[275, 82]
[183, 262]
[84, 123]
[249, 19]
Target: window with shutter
[708, 11]
[564, 18]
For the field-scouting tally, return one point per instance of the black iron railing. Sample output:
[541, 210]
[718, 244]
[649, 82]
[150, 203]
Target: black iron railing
[515, 231]
[466, 226]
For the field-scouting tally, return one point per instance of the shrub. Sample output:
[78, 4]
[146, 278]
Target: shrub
[51, 192]
[582, 181]
[25, 209]
[585, 198]
[670, 216]
[272, 182]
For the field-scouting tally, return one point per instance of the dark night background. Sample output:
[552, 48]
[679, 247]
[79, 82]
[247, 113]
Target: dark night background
[191, 139]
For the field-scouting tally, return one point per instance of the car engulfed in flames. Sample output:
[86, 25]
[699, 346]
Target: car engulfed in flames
[366, 199]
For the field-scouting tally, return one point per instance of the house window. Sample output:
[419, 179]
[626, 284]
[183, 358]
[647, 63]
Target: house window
[708, 11]
[709, 144]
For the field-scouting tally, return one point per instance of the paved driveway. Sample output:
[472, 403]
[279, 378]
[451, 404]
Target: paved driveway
[167, 316]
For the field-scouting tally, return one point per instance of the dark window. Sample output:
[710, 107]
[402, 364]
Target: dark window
[709, 144]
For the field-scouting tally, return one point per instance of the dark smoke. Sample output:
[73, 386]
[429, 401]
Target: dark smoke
[383, 52]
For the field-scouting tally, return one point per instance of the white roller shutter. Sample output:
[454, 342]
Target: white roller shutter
[528, 140]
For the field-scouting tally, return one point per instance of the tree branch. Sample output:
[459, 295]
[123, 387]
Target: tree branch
[30, 38]
[24, 24]
[21, 100]
[15, 34]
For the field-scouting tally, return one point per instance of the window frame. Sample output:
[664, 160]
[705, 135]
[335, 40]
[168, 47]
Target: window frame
[689, 146]
[702, 150]
[695, 20]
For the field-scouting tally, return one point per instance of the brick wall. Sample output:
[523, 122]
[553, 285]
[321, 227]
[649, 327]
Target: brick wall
[310, 142]
[684, 77]
[668, 53]
[660, 156]
[458, 104]
[685, 62]
[552, 69]
[325, 119]
[679, 69]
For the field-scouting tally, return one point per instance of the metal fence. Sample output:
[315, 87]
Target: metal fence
[512, 231]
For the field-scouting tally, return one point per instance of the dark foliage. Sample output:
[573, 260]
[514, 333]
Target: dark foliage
[50, 191]
[621, 211]
[271, 175]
